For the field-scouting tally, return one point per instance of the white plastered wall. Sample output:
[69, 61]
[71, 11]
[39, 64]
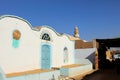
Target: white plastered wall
[61, 43]
[83, 55]
[27, 55]
[21, 58]
[58, 43]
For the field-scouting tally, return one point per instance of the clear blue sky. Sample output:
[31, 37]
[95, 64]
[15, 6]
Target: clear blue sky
[95, 18]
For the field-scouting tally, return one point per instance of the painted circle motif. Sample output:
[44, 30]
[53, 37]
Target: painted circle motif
[16, 34]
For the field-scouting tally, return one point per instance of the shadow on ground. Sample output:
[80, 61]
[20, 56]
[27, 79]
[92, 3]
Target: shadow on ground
[103, 74]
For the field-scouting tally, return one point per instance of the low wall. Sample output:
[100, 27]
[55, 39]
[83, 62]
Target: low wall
[74, 71]
[40, 76]
[82, 61]
[82, 54]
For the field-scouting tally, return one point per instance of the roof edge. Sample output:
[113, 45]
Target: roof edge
[13, 16]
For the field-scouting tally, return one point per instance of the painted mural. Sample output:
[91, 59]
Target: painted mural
[16, 38]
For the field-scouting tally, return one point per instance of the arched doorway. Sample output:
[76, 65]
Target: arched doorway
[46, 56]
[65, 55]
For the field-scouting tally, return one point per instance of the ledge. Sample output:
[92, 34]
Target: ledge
[36, 71]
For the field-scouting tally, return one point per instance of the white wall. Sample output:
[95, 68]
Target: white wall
[58, 43]
[21, 58]
[58, 47]
[27, 55]
[81, 55]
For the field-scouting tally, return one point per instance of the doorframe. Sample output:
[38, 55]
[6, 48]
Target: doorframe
[50, 54]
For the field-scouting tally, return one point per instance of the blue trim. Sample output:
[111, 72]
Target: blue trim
[42, 44]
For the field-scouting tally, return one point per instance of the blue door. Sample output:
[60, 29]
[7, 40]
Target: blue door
[45, 64]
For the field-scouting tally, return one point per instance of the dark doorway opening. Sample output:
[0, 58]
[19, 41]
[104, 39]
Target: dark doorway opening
[103, 46]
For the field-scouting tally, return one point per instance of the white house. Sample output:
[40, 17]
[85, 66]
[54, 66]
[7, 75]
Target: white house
[26, 50]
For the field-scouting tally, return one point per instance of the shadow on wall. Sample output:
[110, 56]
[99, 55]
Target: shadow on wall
[82, 55]
[91, 57]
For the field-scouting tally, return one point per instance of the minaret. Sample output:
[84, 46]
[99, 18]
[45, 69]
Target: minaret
[76, 32]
